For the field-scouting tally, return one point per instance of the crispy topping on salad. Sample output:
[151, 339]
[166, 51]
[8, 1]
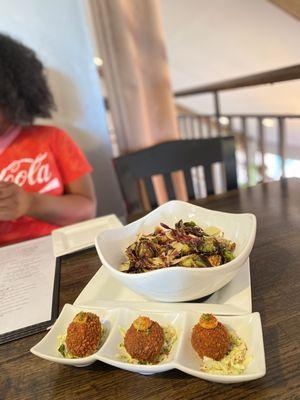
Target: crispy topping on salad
[186, 245]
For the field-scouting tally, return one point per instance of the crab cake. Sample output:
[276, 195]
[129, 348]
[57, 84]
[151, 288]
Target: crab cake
[210, 338]
[144, 340]
[84, 334]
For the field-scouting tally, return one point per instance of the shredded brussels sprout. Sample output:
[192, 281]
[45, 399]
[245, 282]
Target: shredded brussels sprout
[186, 245]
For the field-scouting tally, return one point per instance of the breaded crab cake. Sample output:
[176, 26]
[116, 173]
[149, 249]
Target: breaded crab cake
[84, 334]
[144, 340]
[210, 338]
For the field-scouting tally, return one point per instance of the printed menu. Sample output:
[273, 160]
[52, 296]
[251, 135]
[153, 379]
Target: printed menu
[29, 282]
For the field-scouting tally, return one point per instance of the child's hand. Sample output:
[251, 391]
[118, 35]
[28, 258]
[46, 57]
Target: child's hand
[14, 201]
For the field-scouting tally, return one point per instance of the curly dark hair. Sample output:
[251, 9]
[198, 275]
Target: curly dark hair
[24, 91]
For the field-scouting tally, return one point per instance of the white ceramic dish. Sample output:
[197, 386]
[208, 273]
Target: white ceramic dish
[177, 283]
[79, 236]
[182, 355]
[233, 299]
[47, 347]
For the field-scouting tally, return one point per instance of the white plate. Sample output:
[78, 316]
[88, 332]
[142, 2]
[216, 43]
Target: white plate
[182, 356]
[79, 236]
[232, 299]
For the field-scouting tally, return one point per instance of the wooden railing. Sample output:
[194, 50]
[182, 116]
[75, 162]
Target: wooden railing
[263, 78]
[194, 125]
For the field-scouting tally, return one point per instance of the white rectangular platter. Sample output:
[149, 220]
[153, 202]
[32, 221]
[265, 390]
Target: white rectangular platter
[232, 299]
[182, 355]
[79, 236]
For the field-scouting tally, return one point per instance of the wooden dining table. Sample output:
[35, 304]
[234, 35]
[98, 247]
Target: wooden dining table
[275, 279]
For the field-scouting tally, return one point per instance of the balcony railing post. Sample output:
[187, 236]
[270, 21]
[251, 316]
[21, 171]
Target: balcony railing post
[281, 144]
[261, 133]
[217, 111]
[185, 127]
[191, 128]
[200, 127]
[229, 126]
[208, 126]
[245, 145]
[182, 126]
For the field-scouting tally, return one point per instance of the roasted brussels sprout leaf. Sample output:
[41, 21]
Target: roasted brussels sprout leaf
[186, 245]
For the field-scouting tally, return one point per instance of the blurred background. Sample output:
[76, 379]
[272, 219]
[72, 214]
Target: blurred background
[127, 74]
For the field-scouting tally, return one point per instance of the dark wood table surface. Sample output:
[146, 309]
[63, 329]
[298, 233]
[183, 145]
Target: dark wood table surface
[275, 276]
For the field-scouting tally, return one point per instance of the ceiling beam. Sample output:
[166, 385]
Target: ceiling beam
[292, 7]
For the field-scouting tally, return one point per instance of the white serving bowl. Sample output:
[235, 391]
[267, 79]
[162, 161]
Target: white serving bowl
[178, 283]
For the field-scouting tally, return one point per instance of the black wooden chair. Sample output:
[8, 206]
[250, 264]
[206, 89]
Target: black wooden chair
[135, 170]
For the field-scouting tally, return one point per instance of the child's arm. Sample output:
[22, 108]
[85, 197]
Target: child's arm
[77, 204]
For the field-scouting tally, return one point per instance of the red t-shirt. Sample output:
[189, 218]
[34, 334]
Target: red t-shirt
[41, 159]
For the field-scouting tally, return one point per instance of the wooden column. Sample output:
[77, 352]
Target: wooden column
[136, 74]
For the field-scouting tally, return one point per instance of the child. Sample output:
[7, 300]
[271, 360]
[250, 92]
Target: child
[45, 179]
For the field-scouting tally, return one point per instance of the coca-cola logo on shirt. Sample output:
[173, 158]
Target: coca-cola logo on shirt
[33, 171]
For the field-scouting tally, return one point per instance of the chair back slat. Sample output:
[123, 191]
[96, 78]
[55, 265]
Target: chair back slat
[228, 151]
[189, 183]
[150, 191]
[208, 180]
[169, 186]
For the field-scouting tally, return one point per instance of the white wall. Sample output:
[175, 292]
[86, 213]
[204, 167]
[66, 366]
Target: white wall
[58, 31]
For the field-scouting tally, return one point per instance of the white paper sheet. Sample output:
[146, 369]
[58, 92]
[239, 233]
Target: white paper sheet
[27, 272]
